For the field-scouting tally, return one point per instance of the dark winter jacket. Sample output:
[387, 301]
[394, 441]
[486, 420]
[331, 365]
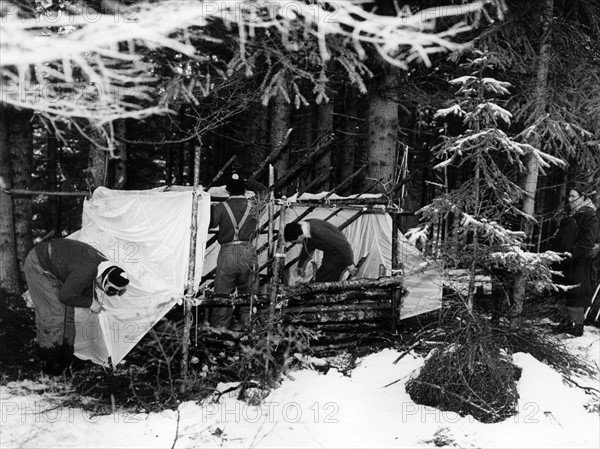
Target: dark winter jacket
[73, 263]
[577, 235]
[337, 252]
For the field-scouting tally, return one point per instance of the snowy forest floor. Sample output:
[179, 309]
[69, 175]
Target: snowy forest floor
[350, 399]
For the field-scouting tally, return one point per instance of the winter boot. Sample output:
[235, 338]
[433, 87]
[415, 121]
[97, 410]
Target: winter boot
[576, 330]
[51, 360]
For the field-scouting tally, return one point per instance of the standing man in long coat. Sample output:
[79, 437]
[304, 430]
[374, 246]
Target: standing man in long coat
[577, 235]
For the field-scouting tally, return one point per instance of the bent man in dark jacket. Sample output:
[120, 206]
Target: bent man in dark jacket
[322, 235]
[62, 274]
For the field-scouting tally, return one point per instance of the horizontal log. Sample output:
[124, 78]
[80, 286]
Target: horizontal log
[348, 336]
[223, 302]
[332, 348]
[322, 300]
[333, 298]
[215, 299]
[338, 307]
[346, 315]
[44, 192]
[371, 206]
[354, 284]
[354, 327]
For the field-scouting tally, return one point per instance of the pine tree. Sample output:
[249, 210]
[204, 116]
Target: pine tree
[483, 207]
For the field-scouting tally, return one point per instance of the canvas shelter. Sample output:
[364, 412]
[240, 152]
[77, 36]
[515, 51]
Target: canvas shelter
[148, 233]
[370, 233]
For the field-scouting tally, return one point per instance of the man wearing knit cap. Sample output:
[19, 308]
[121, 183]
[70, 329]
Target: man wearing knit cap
[237, 226]
[62, 274]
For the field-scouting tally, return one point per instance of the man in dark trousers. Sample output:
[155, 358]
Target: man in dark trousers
[319, 234]
[237, 227]
[62, 274]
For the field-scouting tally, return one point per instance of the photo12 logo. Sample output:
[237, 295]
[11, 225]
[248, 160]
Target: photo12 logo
[48, 93]
[528, 413]
[52, 13]
[271, 412]
[249, 12]
[43, 412]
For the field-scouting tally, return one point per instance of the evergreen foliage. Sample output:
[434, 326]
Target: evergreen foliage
[483, 208]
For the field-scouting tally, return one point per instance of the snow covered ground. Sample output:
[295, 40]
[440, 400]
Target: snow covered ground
[369, 408]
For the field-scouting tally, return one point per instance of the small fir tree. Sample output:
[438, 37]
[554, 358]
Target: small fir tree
[482, 209]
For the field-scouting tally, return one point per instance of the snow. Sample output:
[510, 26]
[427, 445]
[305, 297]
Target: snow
[368, 408]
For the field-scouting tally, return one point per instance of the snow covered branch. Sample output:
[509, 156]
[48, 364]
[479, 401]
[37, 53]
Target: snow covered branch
[45, 59]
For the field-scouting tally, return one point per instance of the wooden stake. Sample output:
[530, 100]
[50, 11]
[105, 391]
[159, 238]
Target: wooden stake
[395, 267]
[271, 212]
[216, 178]
[275, 281]
[320, 147]
[189, 289]
[314, 183]
[273, 156]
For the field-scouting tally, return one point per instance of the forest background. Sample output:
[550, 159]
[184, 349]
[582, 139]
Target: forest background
[370, 119]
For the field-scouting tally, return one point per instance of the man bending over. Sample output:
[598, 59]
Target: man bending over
[319, 234]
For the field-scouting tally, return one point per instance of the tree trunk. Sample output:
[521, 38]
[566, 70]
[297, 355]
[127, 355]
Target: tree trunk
[54, 202]
[383, 123]
[255, 152]
[348, 144]
[10, 279]
[280, 123]
[119, 163]
[97, 162]
[20, 142]
[169, 165]
[305, 129]
[180, 164]
[324, 126]
[531, 180]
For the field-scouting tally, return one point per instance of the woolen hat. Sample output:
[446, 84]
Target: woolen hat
[116, 275]
[236, 183]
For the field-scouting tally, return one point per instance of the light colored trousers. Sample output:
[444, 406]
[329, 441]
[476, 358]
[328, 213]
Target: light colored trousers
[234, 270]
[54, 321]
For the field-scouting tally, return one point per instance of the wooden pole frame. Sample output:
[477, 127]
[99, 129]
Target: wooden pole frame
[44, 192]
[279, 261]
[395, 266]
[218, 175]
[189, 289]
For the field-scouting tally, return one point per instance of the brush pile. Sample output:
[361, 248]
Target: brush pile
[469, 372]
[470, 369]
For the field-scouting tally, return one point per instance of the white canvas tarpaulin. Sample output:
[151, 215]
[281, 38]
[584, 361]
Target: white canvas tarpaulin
[148, 234]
